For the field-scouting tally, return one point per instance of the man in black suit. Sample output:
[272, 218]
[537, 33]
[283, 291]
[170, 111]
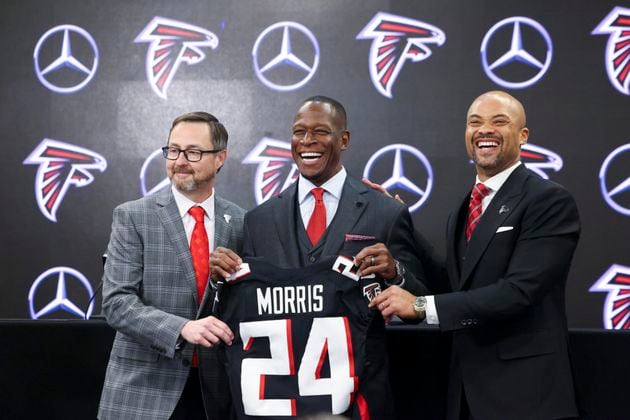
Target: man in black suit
[509, 248]
[286, 230]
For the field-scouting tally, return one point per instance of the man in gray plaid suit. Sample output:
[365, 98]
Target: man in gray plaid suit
[150, 288]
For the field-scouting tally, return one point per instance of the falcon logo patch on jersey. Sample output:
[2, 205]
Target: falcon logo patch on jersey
[617, 26]
[371, 291]
[276, 170]
[60, 166]
[539, 159]
[397, 39]
[170, 43]
[616, 282]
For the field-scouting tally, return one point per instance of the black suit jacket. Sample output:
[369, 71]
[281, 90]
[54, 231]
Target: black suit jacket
[273, 230]
[507, 308]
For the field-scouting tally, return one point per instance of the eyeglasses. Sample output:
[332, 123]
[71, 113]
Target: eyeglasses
[192, 155]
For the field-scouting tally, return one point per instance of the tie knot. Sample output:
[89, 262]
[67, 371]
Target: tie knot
[197, 213]
[480, 191]
[318, 193]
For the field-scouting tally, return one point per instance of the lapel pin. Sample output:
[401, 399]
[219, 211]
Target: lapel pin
[504, 209]
[227, 218]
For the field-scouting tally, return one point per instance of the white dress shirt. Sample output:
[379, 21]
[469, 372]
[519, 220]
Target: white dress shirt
[494, 184]
[331, 197]
[184, 204]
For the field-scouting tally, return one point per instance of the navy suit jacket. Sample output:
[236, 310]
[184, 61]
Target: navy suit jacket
[507, 305]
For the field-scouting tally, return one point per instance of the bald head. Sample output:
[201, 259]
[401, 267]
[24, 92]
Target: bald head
[510, 102]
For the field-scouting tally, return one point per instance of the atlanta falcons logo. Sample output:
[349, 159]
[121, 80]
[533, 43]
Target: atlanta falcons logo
[371, 291]
[616, 282]
[171, 43]
[397, 39]
[539, 159]
[61, 165]
[617, 25]
[276, 170]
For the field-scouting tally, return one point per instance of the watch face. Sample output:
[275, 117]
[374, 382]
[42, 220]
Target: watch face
[420, 303]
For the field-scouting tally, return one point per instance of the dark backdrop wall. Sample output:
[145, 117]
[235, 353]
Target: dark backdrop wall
[88, 90]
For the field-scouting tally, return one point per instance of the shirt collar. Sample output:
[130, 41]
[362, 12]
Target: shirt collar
[184, 203]
[497, 181]
[333, 186]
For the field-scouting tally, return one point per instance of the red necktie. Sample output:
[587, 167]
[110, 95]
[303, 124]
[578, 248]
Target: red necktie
[474, 208]
[200, 251]
[317, 224]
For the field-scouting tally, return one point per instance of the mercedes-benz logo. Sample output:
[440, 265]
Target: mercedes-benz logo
[614, 179]
[396, 179]
[66, 279]
[517, 53]
[152, 172]
[281, 69]
[66, 58]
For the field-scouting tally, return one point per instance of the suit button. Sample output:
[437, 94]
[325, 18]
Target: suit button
[312, 259]
[463, 322]
[186, 362]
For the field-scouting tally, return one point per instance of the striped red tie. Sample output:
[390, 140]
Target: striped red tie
[317, 225]
[474, 208]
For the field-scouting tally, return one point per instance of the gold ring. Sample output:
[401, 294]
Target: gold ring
[372, 260]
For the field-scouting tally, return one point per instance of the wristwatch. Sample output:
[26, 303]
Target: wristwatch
[400, 274]
[419, 307]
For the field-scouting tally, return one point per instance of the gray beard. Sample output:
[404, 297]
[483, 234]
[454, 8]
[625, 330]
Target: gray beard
[187, 186]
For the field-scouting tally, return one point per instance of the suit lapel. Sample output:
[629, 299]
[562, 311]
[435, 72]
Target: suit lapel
[286, 220]
[171, 220]
[222, 223]
[222, 228]
[454, 268]
[500, 208]
[352, 204]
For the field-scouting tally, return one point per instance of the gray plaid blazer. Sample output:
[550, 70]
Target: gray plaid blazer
[149, 293]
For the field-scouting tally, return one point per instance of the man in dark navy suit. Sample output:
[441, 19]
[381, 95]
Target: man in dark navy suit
[509, 248]
[299, 228]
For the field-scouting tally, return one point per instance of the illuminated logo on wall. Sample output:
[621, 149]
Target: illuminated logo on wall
[616, 282]
[61, 165]
[540, 160]
[171, 43]
[614, 180]
[524, 63]
[276, 169]
[387, 167]
[617, 26]
[285, 56]
[68, 286]
[152, 178]
[397, 39]
[66, 58]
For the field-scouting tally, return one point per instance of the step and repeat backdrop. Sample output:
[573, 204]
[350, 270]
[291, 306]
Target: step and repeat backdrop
[88, 90]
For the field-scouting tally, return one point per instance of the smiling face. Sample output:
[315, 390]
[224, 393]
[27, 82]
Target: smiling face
[495, 132]
[319, 137]
[194, 180]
